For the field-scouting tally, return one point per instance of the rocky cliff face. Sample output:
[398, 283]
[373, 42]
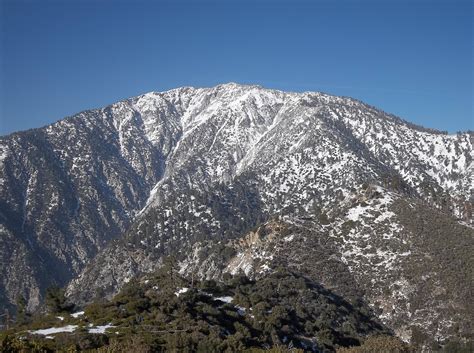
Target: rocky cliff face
[183, 170]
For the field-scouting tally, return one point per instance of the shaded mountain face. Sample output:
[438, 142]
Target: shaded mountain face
[100, 197]
[68, 189]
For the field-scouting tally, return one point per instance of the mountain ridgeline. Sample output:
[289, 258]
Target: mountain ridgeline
[242, 179]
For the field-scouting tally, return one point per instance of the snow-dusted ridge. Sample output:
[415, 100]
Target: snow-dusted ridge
[242, 120]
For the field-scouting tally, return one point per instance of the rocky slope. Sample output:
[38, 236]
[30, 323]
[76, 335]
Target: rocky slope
[191, 166]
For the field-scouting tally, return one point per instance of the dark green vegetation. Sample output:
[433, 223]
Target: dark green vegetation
[282, 310]
[165, 312]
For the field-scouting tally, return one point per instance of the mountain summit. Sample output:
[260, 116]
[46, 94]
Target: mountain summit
[242, 178]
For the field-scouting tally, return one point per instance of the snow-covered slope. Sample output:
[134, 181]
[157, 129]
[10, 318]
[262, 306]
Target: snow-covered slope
[306, 143]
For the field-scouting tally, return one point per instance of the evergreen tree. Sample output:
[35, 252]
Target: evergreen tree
[21, 307]
[56, 301]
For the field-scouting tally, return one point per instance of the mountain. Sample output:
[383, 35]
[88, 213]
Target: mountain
[240, 177]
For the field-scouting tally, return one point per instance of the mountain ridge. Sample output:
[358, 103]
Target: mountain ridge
[415, 125]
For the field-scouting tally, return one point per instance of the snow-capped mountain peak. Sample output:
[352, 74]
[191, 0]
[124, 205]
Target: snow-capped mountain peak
[165, 171]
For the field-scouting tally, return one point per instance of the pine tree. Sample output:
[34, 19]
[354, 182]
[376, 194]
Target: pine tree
[56, 301]
[21, 307]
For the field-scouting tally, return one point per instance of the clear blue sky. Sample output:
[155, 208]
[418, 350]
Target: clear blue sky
[411, 58]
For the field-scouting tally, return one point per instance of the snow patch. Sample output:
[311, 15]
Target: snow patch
[54, 330]
[100, 329]
[226, 299]
[77, 314]
[181, 291]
